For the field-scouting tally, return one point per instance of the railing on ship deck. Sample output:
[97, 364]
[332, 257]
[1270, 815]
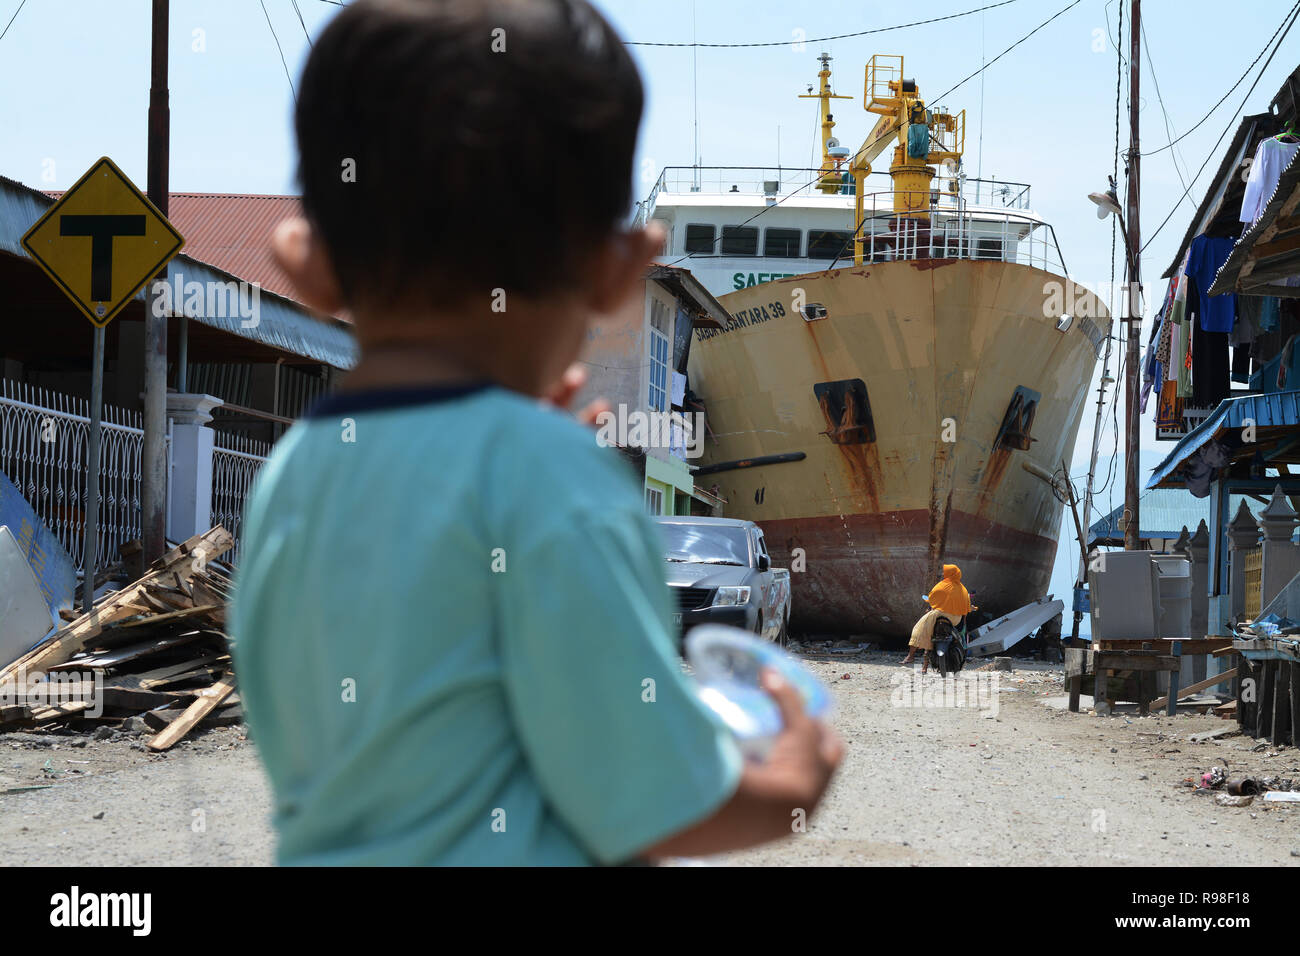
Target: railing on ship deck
[778, 182]
[955, 233]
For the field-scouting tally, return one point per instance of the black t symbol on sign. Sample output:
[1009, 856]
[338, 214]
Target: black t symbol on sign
[101, 230]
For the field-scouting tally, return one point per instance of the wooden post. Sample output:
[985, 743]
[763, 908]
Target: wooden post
[1280, 731]
[1175, 676]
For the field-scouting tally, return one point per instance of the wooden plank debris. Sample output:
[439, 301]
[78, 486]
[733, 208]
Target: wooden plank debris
[207, 701]
[1192, 689]
[162, 631]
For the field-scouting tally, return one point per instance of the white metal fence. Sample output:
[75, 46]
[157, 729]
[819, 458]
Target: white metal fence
[43, 451]
[236, 460]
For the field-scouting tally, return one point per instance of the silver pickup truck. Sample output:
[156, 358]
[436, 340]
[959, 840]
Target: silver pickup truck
[719, 572]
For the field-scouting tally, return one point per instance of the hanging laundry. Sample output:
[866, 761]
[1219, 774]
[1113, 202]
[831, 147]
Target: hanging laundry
[1246, 329]
[1182, 351]
[1204, 260]
[1268, 314]
[1169, 408]
[1272, 156]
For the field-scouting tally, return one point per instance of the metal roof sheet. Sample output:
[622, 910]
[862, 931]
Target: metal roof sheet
[1269, 410]
[1229, 275]
[1162, 513]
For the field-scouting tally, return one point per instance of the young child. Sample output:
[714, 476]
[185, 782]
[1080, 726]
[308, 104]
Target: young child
[451, 629]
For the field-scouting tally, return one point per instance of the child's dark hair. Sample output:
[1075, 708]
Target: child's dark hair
[452, 147]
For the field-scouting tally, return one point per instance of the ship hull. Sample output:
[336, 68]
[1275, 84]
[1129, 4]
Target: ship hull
[867, 518]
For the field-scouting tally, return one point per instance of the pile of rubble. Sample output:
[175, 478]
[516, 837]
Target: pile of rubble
[153, 652]
[1241, 790]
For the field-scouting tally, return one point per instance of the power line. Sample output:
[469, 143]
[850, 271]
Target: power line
[12, 19]
[1213, 150]
[1065, 9]
[281, 49]
[842, 36]
[298, 10]
[1174, 155]
[1243, 76]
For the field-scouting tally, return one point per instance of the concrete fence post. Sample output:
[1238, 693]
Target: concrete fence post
[1281, 558]
[1198, 553]
[1243, 536]
[190, 506]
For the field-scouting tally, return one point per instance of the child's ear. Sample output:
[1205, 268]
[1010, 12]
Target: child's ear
[621, 265]
[299, 251]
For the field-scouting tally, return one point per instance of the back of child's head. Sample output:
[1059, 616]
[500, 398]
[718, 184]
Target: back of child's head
[449, 148]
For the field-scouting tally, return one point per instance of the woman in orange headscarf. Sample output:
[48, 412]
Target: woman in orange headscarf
[949, 600]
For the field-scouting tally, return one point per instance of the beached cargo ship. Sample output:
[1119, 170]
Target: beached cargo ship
[902, 369]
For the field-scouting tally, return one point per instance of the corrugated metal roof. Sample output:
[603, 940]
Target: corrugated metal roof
[1226, 188]
[283, 323]
[1269, 410]
[233, 233]
[1162, 513]
[1244, 252]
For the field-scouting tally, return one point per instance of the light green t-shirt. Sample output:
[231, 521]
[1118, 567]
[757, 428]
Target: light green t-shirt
[453, 644]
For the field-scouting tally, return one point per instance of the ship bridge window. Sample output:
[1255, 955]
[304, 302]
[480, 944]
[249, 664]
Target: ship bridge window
[700, 237]
[739, 240]
[847, 411]
[782, 243]
[1019, 420]
[827, 243]
[988, 248]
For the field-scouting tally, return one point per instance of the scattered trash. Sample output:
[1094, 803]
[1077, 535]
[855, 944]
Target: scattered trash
[1281, 796]
[1230, 800]
[1213, 778]
[1213, 734]
[1242, 785]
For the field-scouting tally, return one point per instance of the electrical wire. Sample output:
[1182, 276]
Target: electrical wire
[298, 10]
[1174, 154]
[281, 49]
[1240, 79]
[842, 36]
[1063, 10]
[1295, 11]
[12, 19]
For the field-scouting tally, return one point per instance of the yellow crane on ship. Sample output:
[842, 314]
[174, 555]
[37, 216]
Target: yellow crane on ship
[923, 139]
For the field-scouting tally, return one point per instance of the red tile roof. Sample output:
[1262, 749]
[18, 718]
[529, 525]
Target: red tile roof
[233, 233]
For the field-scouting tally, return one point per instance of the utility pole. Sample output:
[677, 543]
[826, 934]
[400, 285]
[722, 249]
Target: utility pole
[153, 454]
[1133, 291]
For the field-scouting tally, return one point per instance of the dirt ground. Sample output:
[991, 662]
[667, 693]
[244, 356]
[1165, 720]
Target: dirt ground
[1028, 785]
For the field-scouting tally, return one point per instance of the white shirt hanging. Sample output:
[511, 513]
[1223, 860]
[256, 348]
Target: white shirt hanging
[1272, 156]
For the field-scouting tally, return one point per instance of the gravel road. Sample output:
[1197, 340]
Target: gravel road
[1029, 785]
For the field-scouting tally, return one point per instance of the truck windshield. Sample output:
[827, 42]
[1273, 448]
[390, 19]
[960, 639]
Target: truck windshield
[705, 544]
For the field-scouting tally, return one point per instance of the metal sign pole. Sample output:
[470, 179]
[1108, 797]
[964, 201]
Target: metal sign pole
[92, 470]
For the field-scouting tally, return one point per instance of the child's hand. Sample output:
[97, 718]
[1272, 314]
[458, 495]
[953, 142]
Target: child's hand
[563, 392]
[806, 754]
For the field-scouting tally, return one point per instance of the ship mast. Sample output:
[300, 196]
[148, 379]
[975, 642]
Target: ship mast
[833, 155]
